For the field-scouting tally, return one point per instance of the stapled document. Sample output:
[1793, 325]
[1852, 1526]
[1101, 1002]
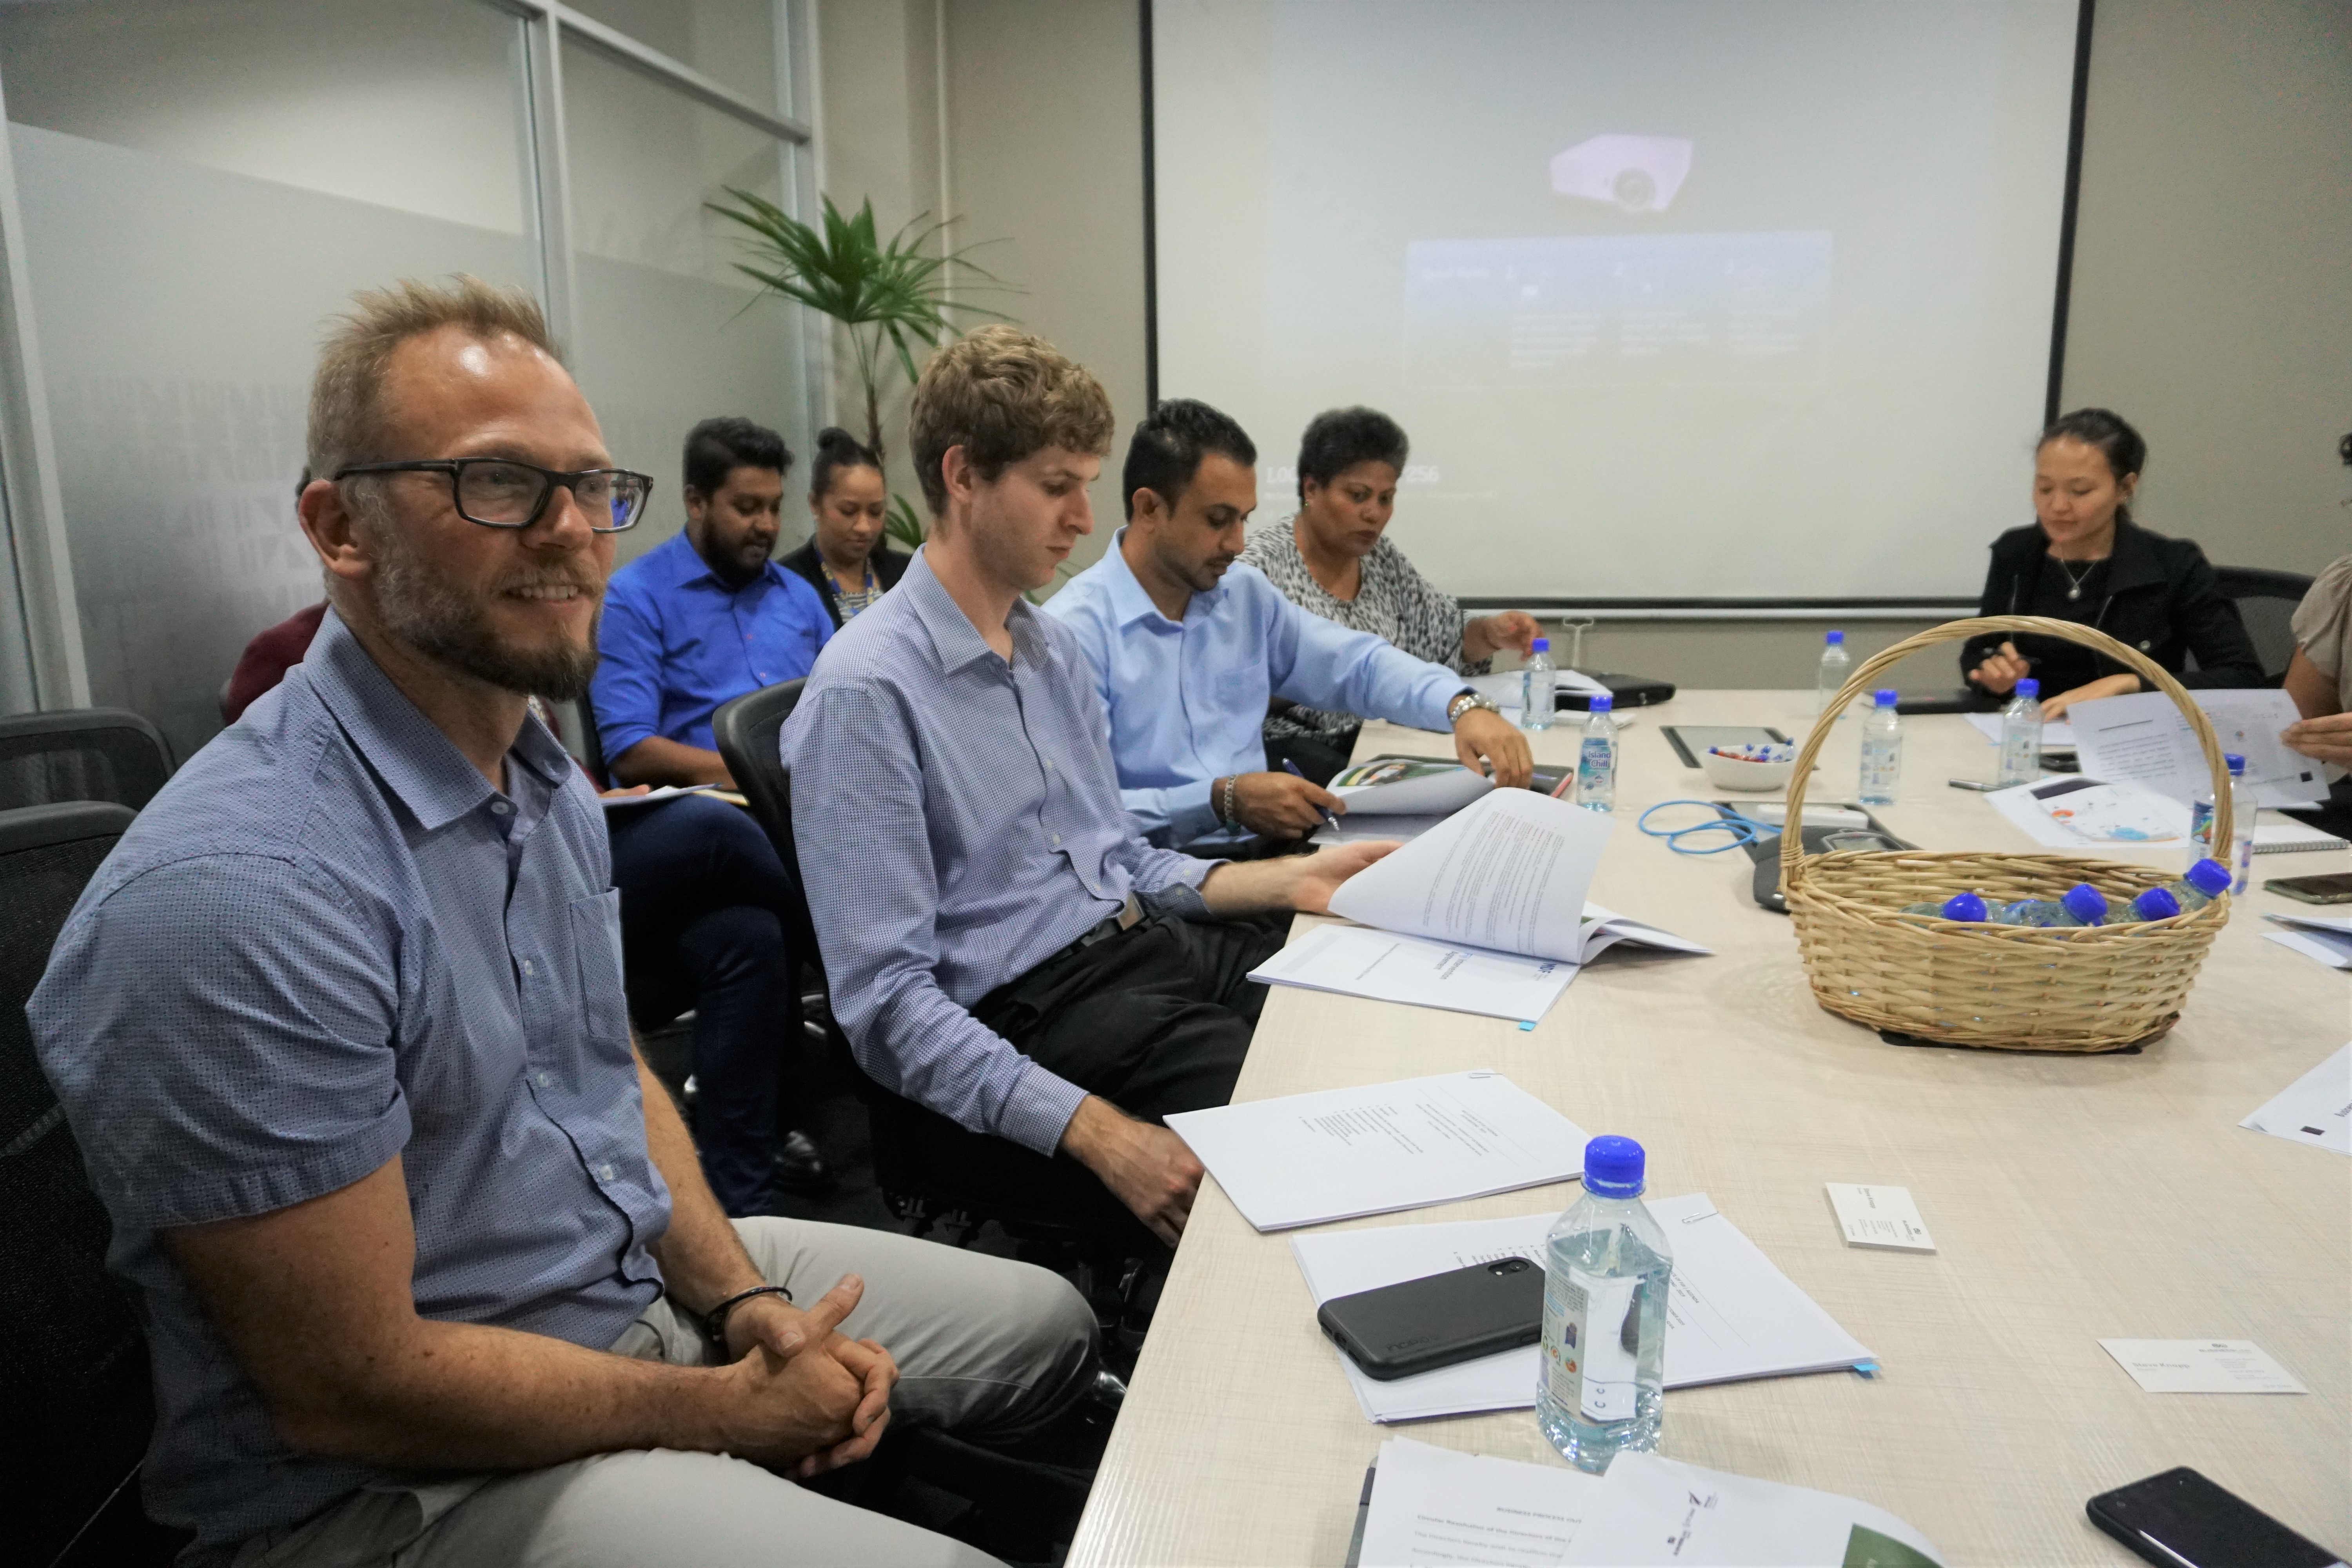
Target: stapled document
[1879, 1217]
[2201, 1366]
[1355, 961]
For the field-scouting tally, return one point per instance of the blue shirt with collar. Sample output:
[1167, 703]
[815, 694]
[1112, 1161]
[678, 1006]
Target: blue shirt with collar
[327, 941]
[1187, 699]
[678, 643]
[957, 821]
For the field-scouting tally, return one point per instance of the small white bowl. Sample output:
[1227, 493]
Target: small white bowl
[1736, 773]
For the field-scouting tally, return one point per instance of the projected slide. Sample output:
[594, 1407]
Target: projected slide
[1677, 299]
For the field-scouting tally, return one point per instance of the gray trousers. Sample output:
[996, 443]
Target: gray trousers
[987, 1347]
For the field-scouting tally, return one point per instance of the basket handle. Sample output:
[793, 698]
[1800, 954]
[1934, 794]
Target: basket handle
[1792, 845]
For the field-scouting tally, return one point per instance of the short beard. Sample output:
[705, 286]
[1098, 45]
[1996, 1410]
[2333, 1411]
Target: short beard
[423, 610]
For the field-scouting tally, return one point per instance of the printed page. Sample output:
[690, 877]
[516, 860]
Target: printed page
[2057, 734]
[1605, 929]
[1355, 961]
[1437, 1506]
[2316, 1109]
[2145, 739]
[1508, 873]
[1402, 785]
[1336, 1153]
[1656, 1510]
[2088, 816]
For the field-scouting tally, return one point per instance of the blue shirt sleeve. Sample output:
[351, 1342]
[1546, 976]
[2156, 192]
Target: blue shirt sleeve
[1325, 664]
[219, 1058]
[627, 691]
[811, 608]
[1176, 815]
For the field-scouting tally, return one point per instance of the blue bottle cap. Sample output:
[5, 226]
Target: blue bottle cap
[1541, 645]
[2237, 765]
[1612, 1167]
[1964, 906]
[2156, 904]
[2029, 687]
[1886, 697]
[1599, 702]
[2209, 877]
[1836, 638]
[2086, 903]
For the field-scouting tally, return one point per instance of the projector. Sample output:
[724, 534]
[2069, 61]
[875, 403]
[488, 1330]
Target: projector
[1639, 173]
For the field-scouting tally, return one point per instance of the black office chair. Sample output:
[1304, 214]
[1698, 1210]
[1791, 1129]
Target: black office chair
[81, 753]
[2266, 601]
[930, 1170]
[592, 744]
[73, 1365]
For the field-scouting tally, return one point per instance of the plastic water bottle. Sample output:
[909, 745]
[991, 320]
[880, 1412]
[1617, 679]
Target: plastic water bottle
[2243, 808]
[1835, 666]
[1600, 1387]
[2207, 880]
[1882, 751]
[1536, 681]
[1958, 906]
[1596, 759]
[2020, 735]
[2079, 905]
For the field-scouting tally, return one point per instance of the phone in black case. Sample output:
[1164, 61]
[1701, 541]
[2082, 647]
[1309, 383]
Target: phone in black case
[1420, 1325]
[2183, 1521]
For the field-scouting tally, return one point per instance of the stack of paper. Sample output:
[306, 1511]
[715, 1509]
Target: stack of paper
[2327, 937]
[2316, 1109]
[1435, 1506]
[1341, 1152]
[1730, 1314]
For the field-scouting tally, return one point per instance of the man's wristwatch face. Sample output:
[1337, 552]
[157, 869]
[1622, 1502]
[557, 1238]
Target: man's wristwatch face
[1466, 701]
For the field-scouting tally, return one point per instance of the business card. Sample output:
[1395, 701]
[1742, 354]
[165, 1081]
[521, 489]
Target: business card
[2201, 1366]
[1879, 1217]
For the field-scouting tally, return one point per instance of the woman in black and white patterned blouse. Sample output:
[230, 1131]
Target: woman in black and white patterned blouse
[1332, 559]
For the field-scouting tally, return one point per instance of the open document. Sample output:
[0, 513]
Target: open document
[2316, 1109]
[1433, 1505]
[1338, 1153]
[1730, 1313]
[1389, 786]
[2090, 814]
[2144, 739]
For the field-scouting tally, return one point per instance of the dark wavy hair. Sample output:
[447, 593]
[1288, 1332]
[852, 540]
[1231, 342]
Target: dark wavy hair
[1339, 439]
[837, 449]
[2108, 431]
[717, 448]
[1166, 449]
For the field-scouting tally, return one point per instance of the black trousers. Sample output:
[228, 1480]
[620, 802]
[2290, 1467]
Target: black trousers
[1155, 1019]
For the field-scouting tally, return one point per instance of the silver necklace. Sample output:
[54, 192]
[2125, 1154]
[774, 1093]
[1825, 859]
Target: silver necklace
[2075, 582]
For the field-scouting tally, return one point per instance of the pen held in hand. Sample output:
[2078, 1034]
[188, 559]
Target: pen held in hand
[1292, 768]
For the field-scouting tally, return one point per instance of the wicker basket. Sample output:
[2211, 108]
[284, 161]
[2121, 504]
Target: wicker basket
[2095, 988]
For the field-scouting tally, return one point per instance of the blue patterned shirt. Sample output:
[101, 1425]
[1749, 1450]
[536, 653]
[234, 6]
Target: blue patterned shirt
[677, 644]
[957, 821]
[329, 942]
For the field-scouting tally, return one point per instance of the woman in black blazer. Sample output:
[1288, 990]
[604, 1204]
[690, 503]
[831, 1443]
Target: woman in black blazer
[2085, 560]
[845, 560]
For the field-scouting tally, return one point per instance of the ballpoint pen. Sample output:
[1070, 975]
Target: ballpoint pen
[1292, 768]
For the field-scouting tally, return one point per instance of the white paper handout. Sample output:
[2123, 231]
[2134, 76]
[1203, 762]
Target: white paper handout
[1506, 872]
[1306, 1157]
[1355, 961]
[2145, 739]
[1433, 1505]
[2333, 949]
[1409, 787]
[2057, 734]
[2088, 814]
[1730, 1313]
[1652, 1511]
[1352, 828]
[651, 796]
[2316, 1109]
[2201, 1366]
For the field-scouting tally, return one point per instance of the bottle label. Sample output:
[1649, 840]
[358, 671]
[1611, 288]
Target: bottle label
[1591, 1343]
[1594, 763]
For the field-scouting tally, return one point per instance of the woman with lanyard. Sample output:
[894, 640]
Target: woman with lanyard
[1334, 559]
[845, 560]
[2085, 560]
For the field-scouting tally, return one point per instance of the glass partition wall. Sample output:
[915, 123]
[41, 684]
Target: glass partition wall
[189, 192]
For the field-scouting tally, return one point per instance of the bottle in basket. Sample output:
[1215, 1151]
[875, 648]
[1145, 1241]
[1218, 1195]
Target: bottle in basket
[1601, 1385]
[2243, 807]
[1882, 751]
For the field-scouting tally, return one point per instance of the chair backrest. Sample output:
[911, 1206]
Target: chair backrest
[73, 1365]
[80, 754]
[749, 731]
[2266, 602]
[592, 744]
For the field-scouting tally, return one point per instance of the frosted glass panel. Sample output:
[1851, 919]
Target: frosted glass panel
[670, 332]
[203, 186]
[732, 42]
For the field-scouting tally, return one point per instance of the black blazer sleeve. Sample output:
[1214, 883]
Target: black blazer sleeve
[1974, 651]
[2210, 624]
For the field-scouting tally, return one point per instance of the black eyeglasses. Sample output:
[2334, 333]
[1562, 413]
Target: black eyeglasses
[498, 492]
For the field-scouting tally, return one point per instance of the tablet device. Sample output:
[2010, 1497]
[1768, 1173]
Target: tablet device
[1689, 741]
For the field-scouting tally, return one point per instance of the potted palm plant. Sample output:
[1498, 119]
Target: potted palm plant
[887, 295]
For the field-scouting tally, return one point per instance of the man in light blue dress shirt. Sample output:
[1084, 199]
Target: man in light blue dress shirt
[426, 1263]
[1004, 947]
[1187, 646]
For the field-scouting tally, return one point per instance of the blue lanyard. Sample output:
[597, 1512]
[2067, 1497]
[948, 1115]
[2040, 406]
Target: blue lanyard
[1738, 830]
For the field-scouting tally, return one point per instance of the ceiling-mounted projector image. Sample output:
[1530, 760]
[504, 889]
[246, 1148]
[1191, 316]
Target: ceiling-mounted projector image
[1639, 173]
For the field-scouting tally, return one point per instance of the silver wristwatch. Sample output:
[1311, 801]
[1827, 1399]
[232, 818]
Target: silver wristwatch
[1464, 700]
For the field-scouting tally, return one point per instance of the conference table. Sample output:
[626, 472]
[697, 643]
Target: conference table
[2070, 1198]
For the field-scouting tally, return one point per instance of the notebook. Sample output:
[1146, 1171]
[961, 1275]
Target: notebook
[2293, 837]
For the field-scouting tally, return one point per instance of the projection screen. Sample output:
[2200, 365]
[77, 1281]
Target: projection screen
[1679, 301]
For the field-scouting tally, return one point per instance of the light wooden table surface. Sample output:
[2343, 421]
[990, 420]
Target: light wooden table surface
[2070, 1197]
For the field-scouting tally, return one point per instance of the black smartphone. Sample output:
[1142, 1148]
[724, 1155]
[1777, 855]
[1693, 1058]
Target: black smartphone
[1420, 1325]
[2183, 1521]
[2335, 888]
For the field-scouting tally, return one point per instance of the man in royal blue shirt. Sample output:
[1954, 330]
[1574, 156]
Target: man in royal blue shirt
[705, 616]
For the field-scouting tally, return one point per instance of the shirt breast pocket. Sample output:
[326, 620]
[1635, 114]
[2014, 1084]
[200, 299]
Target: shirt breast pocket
[596, 944]
[1239, 689]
